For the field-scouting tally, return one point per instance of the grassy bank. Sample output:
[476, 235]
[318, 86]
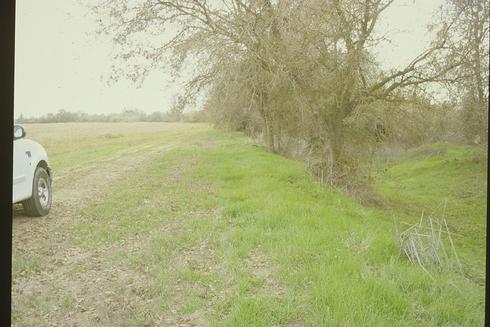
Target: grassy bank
[443, 179]
[231, 235]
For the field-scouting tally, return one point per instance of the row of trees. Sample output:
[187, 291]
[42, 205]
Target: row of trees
[303, 74]
[127, 115]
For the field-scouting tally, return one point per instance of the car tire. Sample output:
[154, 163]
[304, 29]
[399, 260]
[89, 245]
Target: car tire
[40, 202]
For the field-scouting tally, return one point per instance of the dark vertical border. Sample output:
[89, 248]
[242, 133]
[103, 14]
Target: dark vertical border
[7, 41]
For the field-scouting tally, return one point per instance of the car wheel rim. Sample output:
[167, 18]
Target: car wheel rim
[43, 193]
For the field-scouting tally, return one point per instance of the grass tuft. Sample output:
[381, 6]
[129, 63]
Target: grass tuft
[423, 244]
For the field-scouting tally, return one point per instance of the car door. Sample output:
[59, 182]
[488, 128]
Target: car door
[22, 185]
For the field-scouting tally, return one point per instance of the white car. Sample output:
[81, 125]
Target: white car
[32, 175]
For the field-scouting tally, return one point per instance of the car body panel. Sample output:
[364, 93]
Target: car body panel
[27, 156]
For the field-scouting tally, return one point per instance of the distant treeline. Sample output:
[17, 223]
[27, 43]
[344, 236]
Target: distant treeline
[127, 115]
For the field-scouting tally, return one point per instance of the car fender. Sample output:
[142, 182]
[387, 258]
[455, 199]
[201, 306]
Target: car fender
[38, 156]
[35, 155]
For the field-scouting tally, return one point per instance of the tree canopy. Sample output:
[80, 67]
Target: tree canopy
[298, 72]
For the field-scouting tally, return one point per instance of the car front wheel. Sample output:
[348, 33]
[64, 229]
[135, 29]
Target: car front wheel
[40, 202]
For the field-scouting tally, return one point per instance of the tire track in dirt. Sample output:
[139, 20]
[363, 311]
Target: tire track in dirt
[94, 179]
[99, 291]
[94, 164]
[37, 238]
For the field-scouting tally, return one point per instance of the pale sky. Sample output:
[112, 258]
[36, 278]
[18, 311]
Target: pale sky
[61, 63]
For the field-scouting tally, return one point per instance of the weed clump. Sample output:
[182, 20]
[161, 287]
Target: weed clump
[428, 244]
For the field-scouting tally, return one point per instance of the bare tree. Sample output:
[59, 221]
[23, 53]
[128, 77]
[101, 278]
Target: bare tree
[469, 42]
[338, 75]
[304, 67]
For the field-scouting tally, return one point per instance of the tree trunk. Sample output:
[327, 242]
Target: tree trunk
[269, 134]
[268, 124]
[334, 149]
[337, 145]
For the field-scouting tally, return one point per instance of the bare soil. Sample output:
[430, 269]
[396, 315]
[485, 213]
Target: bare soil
[58, 283]
[87, 281]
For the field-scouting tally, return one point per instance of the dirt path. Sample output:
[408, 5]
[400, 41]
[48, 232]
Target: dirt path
[57, 264]
[68, 200]
[58, 283]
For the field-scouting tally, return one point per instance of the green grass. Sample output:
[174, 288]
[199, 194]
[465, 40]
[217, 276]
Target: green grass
[87, 145]
[328, 260]
[26, 265]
